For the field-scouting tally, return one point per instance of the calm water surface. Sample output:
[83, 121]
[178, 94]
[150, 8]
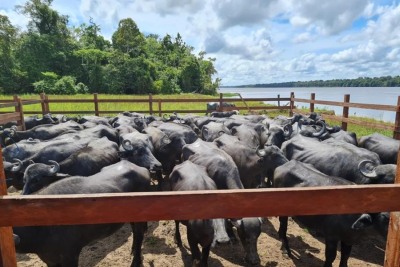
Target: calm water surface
[368, 95]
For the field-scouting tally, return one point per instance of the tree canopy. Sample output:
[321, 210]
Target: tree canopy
[51, 57]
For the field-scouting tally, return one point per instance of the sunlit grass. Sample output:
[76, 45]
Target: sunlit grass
[140, 107]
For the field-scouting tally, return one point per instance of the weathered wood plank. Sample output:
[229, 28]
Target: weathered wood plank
[353, 105]
[7, 247]
[392, 252]
[130, 207]
[31, 102]
[7, 117]
[7, 105]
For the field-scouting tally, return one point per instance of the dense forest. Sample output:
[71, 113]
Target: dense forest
[386, 81]
[54, 58]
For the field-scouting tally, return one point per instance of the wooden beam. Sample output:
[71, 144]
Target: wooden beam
[352, 105]
[7, 117]
[345, 112]
[145, 206]
[392, 252]
[7, 247]
[396, 131]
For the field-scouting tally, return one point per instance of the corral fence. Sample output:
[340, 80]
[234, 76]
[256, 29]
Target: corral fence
[155, 106]
[134, 207]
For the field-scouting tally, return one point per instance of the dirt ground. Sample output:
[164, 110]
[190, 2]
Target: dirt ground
[159, 249]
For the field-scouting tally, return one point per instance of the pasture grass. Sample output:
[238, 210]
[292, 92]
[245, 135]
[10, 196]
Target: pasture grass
[140, 107]
[144, 107]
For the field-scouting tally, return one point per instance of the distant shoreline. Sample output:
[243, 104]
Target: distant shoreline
[385, 81]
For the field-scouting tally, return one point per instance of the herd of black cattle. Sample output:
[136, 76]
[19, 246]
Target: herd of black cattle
[90, 154]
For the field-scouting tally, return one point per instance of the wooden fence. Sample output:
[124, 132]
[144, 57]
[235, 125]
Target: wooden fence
[346, 104]
[155, 106]
[108, 208]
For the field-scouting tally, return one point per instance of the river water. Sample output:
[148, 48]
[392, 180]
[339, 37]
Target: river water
[367, 95]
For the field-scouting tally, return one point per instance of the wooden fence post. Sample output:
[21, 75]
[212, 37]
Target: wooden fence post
[151, 104]
[46, 104]
[396, 131]
[392, 251]
[291, 104]
[221, 101]
[345, 111]
[7, 247]
[18, 109]
[159, 107]
[311, 103]
[43, 103]
[96, 104]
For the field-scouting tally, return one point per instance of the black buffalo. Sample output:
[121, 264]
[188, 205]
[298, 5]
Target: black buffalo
[348, 229]
[61, 245]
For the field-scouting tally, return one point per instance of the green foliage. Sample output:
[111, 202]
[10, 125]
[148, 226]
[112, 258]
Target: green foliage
[128, 38]
[65, 86]
[8, 35]
[47, 84]
[81, 88]
[88, 36]
[131, 64]
[168, 82]
[53, 84]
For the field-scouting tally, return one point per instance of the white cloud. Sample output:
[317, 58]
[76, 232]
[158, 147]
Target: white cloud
[260, 41]
[330, 17]
[303, 38]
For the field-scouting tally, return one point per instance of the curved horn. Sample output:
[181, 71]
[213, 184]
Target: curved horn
[204, 133]
[366, 170]
[322, 131]
[127, 145]
[333, 129]
[54, 168]
[220, 133]
[260, 152]
[13, 131]
[165, 140]
[17, 165]
[287, 130]
[165, 117]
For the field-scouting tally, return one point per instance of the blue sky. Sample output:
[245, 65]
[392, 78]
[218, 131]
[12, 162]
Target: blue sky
[260, 41]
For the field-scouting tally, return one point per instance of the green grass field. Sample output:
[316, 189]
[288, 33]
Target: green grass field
[89, 107]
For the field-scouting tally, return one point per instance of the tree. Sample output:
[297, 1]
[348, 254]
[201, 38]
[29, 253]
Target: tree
[44, 20]
[128, 39]
[190, 78]
[129, 75]
[47, 46]
[8, 35]
[88, 36]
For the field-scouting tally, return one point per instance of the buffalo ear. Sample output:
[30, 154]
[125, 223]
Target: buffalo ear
[218, 142]
[362, 222]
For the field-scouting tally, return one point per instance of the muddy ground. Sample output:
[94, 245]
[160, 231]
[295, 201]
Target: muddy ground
[159, 249]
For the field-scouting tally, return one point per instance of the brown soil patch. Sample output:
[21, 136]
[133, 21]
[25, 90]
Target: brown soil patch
[159, 249]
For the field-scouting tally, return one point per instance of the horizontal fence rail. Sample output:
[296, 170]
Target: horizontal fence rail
[136, 207]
